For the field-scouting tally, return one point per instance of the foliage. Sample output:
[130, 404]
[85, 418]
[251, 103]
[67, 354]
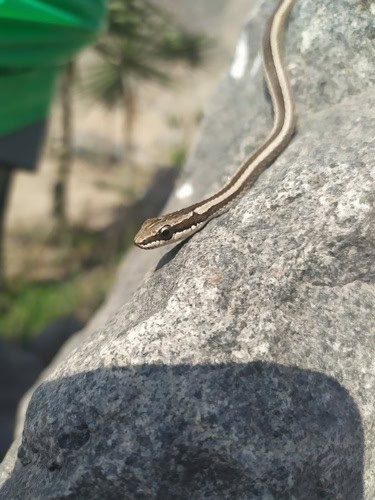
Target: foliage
[77, 272]
[178, 156]
[26, 307]
[141, 38]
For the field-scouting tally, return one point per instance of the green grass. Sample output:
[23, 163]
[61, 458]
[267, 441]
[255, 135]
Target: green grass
[62, 273]
[25, 308]
[178, 156]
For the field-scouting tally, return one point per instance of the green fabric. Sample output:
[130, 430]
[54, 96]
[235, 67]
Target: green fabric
[36, 38]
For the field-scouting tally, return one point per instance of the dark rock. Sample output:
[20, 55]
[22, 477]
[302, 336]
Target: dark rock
[18, 371]
[235, 430]
[243, 367]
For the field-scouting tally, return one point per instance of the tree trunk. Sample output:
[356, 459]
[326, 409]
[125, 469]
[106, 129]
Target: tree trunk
[65, 157]
[5, 181]
[129, 100]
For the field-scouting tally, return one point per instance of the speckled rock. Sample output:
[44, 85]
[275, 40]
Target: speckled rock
[243, 367]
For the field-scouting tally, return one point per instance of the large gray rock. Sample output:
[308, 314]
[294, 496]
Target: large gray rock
[243, 367]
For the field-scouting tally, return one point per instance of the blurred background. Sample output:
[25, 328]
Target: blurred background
[99, 105]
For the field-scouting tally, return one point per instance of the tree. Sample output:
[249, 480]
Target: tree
[140, 40]
[5, 181]
[65, 153]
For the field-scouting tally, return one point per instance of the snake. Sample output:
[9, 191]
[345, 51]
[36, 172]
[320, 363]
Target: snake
[181, 224]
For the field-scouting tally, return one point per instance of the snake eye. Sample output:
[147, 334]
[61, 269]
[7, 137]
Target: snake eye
[166, 232]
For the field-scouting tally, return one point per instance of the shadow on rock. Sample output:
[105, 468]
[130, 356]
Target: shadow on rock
[255, 430]
[171, 254]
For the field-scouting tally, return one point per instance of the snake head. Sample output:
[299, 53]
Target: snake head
[160, 231]
[155, 233]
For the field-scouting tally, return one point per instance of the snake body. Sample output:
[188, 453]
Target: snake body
[183, 223]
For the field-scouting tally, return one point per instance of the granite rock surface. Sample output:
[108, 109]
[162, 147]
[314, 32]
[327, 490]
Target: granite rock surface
[243, 366]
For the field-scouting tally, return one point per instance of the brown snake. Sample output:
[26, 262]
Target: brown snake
[183, 223]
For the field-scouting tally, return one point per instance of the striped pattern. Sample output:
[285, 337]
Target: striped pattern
[185, 222]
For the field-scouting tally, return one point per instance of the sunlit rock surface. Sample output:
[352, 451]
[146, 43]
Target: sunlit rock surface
[243, 367]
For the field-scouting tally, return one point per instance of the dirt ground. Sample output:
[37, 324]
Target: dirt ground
[167, 121]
